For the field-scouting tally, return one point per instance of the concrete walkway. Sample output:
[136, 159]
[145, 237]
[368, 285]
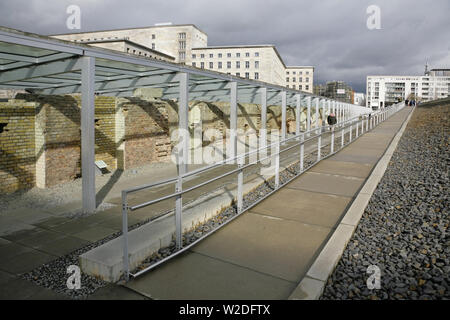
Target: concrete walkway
[266, 252]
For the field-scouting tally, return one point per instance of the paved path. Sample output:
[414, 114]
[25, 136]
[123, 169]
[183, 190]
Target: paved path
[266, 252]
[30, 238]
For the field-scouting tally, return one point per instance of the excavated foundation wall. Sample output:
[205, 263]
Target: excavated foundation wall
[40, 135]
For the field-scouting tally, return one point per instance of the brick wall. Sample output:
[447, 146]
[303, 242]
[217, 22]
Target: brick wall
[145, 132]
[17, 145]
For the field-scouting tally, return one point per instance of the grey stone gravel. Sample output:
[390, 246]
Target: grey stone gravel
[404, 229]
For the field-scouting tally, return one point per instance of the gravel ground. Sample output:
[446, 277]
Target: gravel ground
[62, 194]
[404, 229]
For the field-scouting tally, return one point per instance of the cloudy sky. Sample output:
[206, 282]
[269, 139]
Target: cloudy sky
[331, 35]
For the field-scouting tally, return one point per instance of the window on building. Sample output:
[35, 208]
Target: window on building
[256, 75]
[287, 79]
[238, 54]
[256, 54]
[211, 65]
[247, 54]
[182, 56]
[247, 75]
[194, 56]
[294, 79]
[182, 35]
[294, 72]
[202, 56]
[238, 74]
[307, 72]
[301, 72]
[300, 87]
[219, 65]
[287, 72]
[153, 46]
[193, 64]
[238, 64]
[202, 65]
[153, 36]
[247, 64]
[229, 55]
[229, 65]
[182, 45]
[211, 55]
[256, 64]
[219, 55]
[300, 79]
[307, 79]
[307, 87]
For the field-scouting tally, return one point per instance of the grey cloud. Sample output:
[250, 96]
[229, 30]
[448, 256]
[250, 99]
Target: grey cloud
[329, 34]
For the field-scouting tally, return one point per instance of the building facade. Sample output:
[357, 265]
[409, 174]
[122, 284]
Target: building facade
[300, 78]
[189, 45]
[386, 90]
[258, 62]
[172, 40]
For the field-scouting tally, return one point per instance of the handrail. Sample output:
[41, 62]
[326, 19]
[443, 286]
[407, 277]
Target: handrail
[299, 140]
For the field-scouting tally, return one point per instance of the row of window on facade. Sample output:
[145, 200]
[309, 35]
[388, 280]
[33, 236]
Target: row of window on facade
[220, 55]
[229, 65]
[295, 72]
[299, 79]
[300, 87]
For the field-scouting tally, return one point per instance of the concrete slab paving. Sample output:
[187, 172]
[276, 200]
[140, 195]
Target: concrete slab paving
[10, 225]
[304, 206]
[343, 168]
[199, 277]
[94, 234]
[327, 183]
[25, 261]
[273, 246]
[115, 292]
[62, 245]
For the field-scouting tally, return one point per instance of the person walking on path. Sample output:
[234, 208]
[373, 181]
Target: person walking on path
[331, 120]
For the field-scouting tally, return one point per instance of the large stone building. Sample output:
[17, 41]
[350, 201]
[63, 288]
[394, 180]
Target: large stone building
[258, 62]
[172, 40]
[386, 90]
[189, 45]
[300, 78]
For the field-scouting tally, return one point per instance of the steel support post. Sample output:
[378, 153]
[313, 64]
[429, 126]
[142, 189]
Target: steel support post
[183, 156]
[302, 152]
[319, 146]
[332, 139]
[298, 114]
[342, 136]
[233, 119]
[277, 164]
[317, 104]
[126, 266]
[88, 133]
[240, 189]
[308, 115]
[263, 129]
[283, 115]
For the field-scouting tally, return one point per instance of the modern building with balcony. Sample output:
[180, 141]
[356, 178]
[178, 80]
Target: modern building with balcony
[386, 90]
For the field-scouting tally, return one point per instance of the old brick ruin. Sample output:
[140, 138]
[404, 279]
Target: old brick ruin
[40, 134]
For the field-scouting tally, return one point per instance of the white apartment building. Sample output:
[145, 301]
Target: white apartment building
[300, 78]
[257, 62]
[171, 40]
[386, 90]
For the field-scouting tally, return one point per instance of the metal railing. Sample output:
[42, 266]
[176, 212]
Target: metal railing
[359, 125]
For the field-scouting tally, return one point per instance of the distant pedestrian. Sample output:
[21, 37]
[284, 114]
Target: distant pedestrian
[331, 120]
